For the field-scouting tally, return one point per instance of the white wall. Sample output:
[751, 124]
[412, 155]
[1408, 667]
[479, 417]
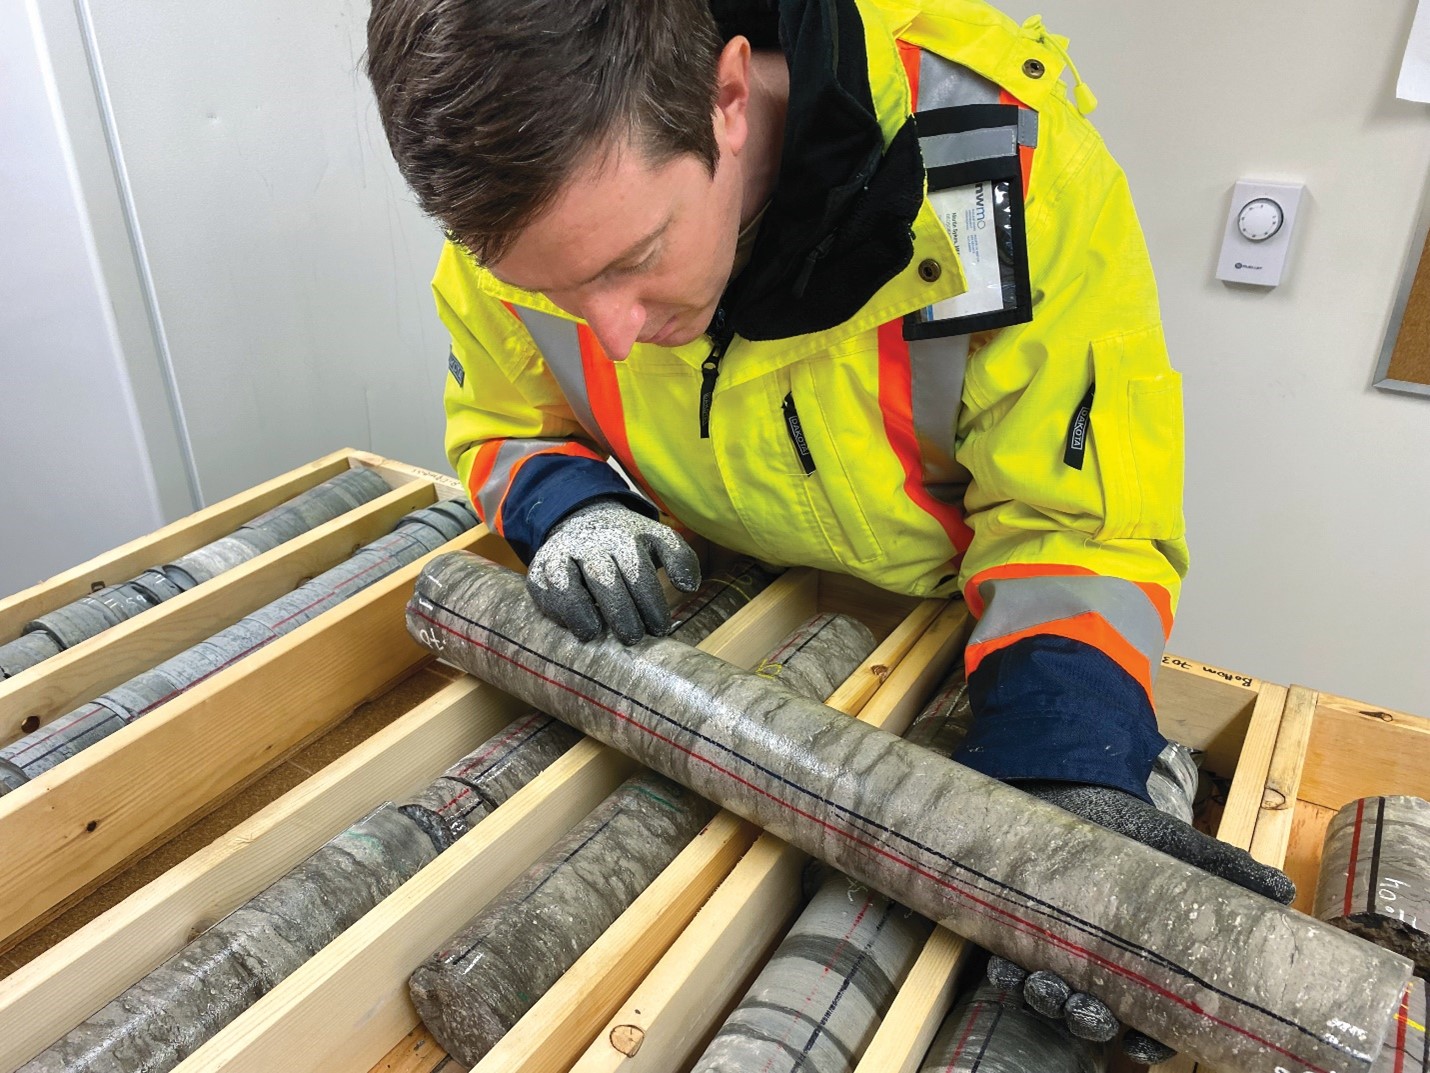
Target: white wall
[76, 477]
[289, 265]
[1308, 492]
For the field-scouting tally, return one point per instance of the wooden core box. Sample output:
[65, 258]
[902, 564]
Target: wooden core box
[234, 782]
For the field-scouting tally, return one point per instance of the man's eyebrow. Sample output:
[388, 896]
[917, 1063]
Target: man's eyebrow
[626, 254]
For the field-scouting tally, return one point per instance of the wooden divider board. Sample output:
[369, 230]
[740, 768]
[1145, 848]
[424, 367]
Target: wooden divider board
[686, 992]
[186, 534]
[101, 959]
[349, 1014]
[1340, 766]
[79, 674]
[360, 980]
[79, 822]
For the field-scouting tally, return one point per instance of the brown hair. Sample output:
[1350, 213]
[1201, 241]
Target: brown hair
[491, 105]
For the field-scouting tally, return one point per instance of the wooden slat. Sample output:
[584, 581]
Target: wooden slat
[1205, 707]
[162, 545]
[448, 487]
[47, 997]
[877, 608]
[866, 680]
[555, 1031]
[938, 649]
[345, 1008]
[1359, 750]
[418, 1052]
[558, 1027]
[675, 1005]
[78, 822]
[1303, 855]
[1243, 800]
[747, 637]
[1283, 779]
[923, 1001]
[64, 682]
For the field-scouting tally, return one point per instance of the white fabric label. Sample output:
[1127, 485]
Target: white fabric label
[968, 215]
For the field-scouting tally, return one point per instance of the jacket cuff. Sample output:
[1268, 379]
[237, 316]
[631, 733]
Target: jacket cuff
[549, 487]
[1050, 707]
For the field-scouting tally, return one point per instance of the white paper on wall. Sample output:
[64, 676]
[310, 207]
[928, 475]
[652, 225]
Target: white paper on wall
[1414, 84]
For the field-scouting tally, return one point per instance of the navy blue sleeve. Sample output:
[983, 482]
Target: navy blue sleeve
[549, 487]
[1053, 708]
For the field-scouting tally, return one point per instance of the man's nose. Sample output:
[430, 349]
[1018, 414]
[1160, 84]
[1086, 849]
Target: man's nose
[617, 321]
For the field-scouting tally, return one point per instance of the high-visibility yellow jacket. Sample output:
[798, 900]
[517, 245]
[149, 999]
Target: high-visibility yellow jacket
[882, 474]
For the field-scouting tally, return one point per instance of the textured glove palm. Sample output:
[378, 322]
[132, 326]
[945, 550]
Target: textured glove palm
[599, 567]
[1086, 1016]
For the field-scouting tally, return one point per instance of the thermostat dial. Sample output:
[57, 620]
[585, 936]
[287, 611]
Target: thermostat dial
[1260, 219]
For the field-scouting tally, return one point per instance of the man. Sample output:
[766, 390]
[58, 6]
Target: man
[711, 240]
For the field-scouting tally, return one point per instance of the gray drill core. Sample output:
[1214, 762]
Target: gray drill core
[172, 1011]
[1194, 961]
[1407, 1048]
[818, 1001]
[471, 992]
[992, 1030]
[1375, 874]
[91, 615]
[415, 535]
[168, 1014]
[481, 781]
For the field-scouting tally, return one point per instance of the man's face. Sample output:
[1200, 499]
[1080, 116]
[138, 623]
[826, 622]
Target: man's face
[641, 252]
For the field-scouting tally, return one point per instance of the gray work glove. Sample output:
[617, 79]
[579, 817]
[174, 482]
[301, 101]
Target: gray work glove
[1088, 1017]
[598, 565]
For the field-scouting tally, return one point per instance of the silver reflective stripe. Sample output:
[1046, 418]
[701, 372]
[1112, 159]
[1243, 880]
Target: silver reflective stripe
[1028, 128]
[560, 345]
[1016, 604]
[509, 456]
[936, 381]
[936, 365]
[966, 146]
[944, 84]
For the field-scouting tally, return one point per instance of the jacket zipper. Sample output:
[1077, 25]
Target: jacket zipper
[720, 337]
[796, 434]
[1079, 428]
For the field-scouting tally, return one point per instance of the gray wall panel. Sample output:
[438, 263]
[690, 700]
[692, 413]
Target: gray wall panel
[290, 267]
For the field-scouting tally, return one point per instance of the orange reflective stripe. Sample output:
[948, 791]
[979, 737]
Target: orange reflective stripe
[1090, 628]
[482, 471]
[603, 390]
[910, 55]
[577, 449]
[896, 403]
[1025, 152]
[1161, 599]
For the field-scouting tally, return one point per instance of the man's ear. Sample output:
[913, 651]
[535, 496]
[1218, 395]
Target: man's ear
[732, 98]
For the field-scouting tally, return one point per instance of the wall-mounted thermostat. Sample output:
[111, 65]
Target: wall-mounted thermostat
[1258, 232]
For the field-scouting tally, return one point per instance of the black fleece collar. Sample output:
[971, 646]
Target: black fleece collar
[840, 223]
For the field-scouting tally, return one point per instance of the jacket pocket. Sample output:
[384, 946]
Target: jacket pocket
[1137, 433]
[836, 438]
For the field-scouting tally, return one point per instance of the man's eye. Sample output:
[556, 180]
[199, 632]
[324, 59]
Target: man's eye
[644, 263]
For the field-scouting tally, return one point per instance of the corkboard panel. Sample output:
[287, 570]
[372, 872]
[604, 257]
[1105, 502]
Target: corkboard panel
[1410, 358]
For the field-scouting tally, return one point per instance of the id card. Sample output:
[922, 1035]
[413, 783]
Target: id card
[975, 187]
[967, 214]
